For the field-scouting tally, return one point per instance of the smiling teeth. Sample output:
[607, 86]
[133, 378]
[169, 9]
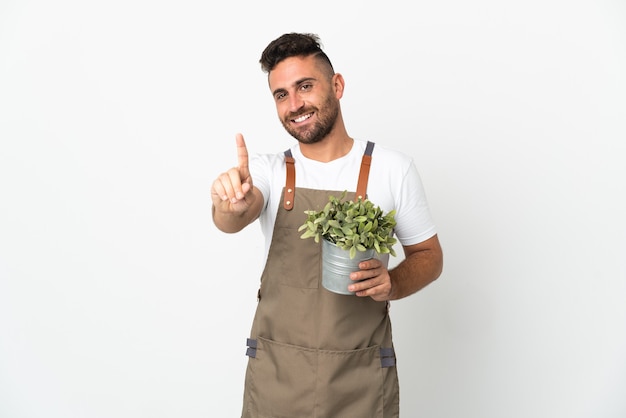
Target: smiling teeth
[302, 118]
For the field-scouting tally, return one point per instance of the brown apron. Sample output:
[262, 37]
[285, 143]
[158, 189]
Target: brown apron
[314, 353]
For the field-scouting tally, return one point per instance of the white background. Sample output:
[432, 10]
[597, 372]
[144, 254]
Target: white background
[118, 296]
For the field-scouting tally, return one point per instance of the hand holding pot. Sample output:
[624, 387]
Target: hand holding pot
[372, 279]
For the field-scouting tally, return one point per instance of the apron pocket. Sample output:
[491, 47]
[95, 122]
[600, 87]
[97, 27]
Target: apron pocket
[282, 378]
[288, 381]
[350, 383]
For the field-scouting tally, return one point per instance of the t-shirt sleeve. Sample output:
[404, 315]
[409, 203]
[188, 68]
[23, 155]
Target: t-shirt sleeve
[413, 217]
[259, 166]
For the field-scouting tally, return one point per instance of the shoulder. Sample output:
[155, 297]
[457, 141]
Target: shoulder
[389, 152]
[266, 161]
[387, 157]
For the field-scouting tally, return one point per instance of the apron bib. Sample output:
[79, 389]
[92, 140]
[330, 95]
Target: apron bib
[314, 353]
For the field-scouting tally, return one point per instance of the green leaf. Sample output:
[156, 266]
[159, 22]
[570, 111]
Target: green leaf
[334, 224]
[338, 232]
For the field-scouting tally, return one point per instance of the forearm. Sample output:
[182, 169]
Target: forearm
[422, 266]
[230, 221]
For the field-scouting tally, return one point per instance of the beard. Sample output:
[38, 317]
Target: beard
[319, 130]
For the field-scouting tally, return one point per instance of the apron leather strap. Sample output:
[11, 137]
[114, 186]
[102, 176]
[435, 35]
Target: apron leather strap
[361, 187]
[290, 184]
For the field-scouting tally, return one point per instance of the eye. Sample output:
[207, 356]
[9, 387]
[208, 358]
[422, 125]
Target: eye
[280, 95]
[306, 87]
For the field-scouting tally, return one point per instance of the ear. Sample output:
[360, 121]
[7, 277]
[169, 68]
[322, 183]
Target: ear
[338, 85]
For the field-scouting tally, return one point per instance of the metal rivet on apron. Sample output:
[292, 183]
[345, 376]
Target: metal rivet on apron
[289, 202]
[289, 190]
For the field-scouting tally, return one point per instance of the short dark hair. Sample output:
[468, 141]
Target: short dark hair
[292, 45]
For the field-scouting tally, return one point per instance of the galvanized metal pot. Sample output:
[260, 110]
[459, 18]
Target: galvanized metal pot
[337, 266]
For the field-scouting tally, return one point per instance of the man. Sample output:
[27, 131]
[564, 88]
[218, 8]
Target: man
[314, 353]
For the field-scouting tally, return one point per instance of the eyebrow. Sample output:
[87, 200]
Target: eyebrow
[297, 83]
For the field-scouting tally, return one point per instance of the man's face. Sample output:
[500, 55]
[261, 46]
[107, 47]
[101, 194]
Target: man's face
[306, 100]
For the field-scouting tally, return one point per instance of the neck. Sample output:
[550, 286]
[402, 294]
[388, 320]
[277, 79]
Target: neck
[328, 149]
[335, 145]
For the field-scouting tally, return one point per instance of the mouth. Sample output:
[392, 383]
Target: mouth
[302, 118]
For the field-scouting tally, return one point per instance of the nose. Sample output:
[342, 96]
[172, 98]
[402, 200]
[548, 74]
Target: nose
[295, 102]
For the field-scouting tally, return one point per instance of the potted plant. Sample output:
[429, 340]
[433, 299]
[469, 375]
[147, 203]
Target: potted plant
[348, 228]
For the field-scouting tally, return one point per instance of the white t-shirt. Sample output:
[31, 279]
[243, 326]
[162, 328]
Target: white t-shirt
[394, 183]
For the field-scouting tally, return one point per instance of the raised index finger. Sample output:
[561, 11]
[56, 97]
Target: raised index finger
[242, 153]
